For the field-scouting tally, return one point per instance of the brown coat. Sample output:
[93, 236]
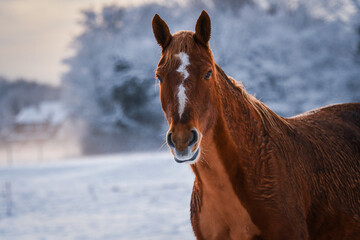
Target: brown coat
[258, 176]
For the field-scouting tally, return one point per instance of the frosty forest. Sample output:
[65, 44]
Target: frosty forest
[293, 55]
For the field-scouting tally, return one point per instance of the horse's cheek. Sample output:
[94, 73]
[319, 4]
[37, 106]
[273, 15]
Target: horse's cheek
[165, 105]
[207, 113]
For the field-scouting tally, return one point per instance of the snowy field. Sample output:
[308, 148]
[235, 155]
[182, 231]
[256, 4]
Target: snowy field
[128, 196]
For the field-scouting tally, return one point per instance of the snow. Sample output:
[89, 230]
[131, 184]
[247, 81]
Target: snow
[129, 196]
[47, 112]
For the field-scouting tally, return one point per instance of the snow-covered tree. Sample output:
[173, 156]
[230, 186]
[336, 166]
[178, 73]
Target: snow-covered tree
[111, 79]
[295, 55]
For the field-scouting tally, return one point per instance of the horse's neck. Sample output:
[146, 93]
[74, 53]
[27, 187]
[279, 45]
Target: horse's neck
[243, 125]
[243, 118]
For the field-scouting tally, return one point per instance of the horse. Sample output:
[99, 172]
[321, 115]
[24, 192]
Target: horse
[257, 175]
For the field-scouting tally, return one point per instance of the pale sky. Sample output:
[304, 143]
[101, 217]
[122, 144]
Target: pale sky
[36, 35]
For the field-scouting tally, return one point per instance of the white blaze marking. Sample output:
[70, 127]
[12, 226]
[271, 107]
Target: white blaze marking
[184, 58]
[182, 99]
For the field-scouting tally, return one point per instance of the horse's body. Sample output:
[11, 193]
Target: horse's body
[257, 176]
[299, 178]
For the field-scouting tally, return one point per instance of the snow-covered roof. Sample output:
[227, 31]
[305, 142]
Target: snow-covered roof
[46, 112]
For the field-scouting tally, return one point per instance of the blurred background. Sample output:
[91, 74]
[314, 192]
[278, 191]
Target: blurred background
[82, 152]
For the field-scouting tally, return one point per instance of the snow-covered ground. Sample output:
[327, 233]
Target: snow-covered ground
[127, 196]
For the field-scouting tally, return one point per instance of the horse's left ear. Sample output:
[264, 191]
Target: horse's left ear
[203, 28]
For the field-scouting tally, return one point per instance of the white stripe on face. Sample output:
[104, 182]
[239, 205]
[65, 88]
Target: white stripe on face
[184, 58]
[182, 99]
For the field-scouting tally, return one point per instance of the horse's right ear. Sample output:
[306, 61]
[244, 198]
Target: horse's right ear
[161, 31]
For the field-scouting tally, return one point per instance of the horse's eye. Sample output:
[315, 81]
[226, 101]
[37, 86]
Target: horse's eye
[159, 78]
[207, 76]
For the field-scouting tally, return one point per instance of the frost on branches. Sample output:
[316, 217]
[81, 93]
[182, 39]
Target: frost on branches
[295, 55]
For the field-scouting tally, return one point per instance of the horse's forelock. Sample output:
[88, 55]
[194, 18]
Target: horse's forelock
[182, 41]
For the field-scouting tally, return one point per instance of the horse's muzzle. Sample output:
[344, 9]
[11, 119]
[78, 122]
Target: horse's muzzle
[184, 145]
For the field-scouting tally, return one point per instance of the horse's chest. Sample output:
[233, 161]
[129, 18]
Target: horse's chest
[222, 215]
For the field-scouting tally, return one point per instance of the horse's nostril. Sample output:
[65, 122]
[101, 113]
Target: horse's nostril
[169, 140]
[194, 137]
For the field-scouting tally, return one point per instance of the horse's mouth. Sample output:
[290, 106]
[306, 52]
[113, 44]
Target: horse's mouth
[192, 159]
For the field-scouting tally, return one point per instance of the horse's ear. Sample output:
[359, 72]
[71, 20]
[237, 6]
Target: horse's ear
[203, 28]
[161, 31]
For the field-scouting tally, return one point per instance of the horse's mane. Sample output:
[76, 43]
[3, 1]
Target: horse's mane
[268, 117]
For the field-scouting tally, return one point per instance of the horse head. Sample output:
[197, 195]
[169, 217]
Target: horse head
[186, 72]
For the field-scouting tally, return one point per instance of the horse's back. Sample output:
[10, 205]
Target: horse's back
[340, 120]
[333, 132]
[331, 151]
[348, 112]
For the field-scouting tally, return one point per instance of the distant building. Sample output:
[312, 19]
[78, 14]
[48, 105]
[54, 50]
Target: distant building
[39, 122]
[40, 133]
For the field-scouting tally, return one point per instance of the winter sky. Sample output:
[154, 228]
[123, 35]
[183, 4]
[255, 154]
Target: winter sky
[36, 35]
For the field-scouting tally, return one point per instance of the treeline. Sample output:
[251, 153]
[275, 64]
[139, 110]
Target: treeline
[295, 57]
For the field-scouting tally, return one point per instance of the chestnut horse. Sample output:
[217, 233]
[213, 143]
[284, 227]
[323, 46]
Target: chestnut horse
[257, 175]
